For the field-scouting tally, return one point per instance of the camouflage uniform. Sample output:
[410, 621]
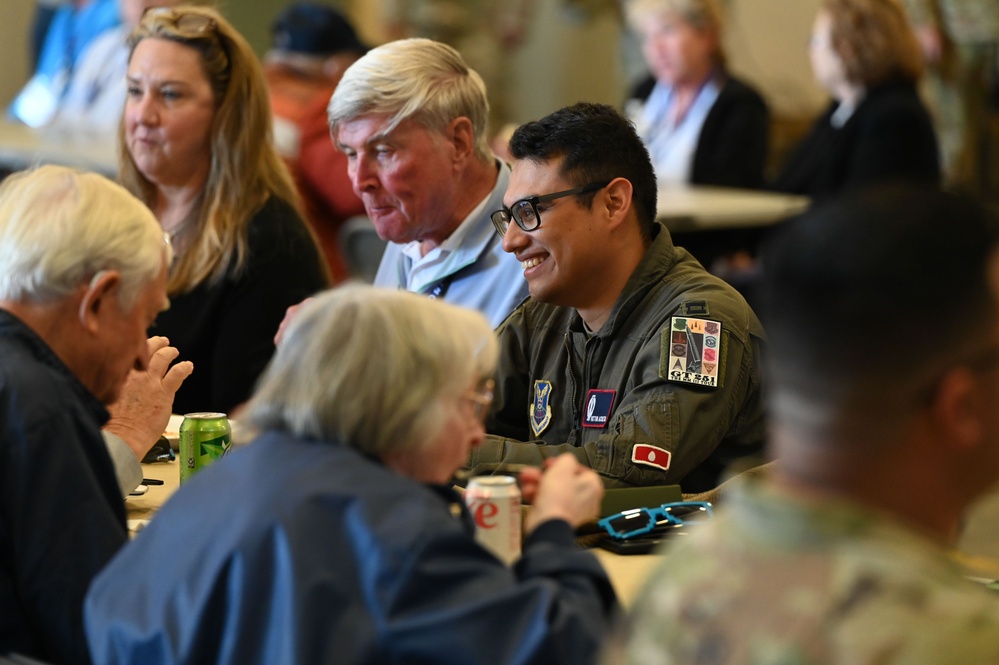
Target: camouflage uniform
[776, 580]
[970, 30]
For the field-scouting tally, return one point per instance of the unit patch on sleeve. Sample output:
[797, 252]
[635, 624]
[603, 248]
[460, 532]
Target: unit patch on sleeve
[541, 410]
[690, 351]
[598, 407]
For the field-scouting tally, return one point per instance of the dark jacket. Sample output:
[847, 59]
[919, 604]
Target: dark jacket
[61, 513]
[889, 137]
[732, 146]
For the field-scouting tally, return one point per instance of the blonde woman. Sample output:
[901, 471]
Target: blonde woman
[197, 149]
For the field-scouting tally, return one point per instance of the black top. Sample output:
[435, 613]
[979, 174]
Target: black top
[61, 513]
[732, 146]
[227, 328]
[889, 137]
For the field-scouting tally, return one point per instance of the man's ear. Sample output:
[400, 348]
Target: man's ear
[957, 408]
[461, 135]
[617, 199]
[103, 286]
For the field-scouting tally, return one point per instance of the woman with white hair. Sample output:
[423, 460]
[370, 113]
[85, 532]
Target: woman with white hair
[333, 537]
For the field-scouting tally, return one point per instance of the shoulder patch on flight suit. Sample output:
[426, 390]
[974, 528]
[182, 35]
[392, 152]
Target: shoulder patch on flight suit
[694, 308]
[541, 410]
[690, 352]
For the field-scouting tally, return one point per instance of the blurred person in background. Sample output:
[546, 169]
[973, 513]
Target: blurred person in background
[197, 150]
[95, 94]
[352, 548]
[72, 27]
[960, 41]
[311, 46]
[701, 124]
[839, 556]
[876, 128]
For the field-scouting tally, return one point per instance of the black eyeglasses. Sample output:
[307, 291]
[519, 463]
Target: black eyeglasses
[525, 211]
[639, 521]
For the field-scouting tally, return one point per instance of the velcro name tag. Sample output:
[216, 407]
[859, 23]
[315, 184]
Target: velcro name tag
[657, 458]
[599, 404]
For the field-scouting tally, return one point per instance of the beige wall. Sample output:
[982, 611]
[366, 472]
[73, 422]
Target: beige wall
[16, 17]
[566, 58]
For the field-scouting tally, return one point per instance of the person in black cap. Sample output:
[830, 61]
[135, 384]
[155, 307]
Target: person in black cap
[312, 45]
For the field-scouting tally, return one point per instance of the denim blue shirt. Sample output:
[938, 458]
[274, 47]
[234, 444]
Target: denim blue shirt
[469, 269]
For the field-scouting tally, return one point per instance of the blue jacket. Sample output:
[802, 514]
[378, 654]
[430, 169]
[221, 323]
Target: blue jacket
[291, 551]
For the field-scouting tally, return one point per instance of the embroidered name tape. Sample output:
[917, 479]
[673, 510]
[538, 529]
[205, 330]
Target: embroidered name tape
[690, 351]
[598, 407]
[658, 458]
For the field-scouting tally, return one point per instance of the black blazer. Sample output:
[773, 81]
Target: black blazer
[732, 147]
[889, 137]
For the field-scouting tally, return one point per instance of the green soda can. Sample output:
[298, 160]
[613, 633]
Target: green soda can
[204, 437]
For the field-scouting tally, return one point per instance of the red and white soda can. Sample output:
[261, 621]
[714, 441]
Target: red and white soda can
[494, 502]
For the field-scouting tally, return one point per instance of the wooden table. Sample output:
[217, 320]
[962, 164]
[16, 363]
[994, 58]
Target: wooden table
[23, 147]
[140, 509]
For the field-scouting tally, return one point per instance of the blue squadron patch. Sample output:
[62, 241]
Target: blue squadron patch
[541, 411]
[598, 408]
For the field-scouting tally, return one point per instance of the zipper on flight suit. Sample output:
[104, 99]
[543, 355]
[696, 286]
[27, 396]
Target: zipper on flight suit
[577, 421]
[573, 382]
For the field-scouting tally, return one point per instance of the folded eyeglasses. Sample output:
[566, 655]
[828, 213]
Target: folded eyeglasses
[640, 521]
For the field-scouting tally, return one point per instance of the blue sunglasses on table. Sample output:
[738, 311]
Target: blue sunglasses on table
[640, 521]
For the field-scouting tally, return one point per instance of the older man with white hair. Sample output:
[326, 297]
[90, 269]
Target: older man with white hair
[412, 117]
[83, 268]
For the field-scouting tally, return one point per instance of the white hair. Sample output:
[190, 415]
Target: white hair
[59, 227]
[370, 368]
[413, 78]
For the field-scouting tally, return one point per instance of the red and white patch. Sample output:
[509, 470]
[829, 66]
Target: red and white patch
[642, 453]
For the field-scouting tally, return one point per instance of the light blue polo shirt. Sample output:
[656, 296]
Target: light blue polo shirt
[470, 267]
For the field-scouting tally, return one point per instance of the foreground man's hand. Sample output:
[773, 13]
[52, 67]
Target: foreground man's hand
[143, 410]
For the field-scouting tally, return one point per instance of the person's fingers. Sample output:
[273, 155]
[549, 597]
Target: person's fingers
[155, 343]
[529, 479]
[289, 316]
[160, 361]
[176, 376]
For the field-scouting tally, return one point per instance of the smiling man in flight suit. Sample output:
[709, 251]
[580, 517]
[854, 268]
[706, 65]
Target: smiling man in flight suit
[628, 352]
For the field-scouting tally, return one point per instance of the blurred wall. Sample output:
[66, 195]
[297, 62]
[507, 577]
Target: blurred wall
[573, 50]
